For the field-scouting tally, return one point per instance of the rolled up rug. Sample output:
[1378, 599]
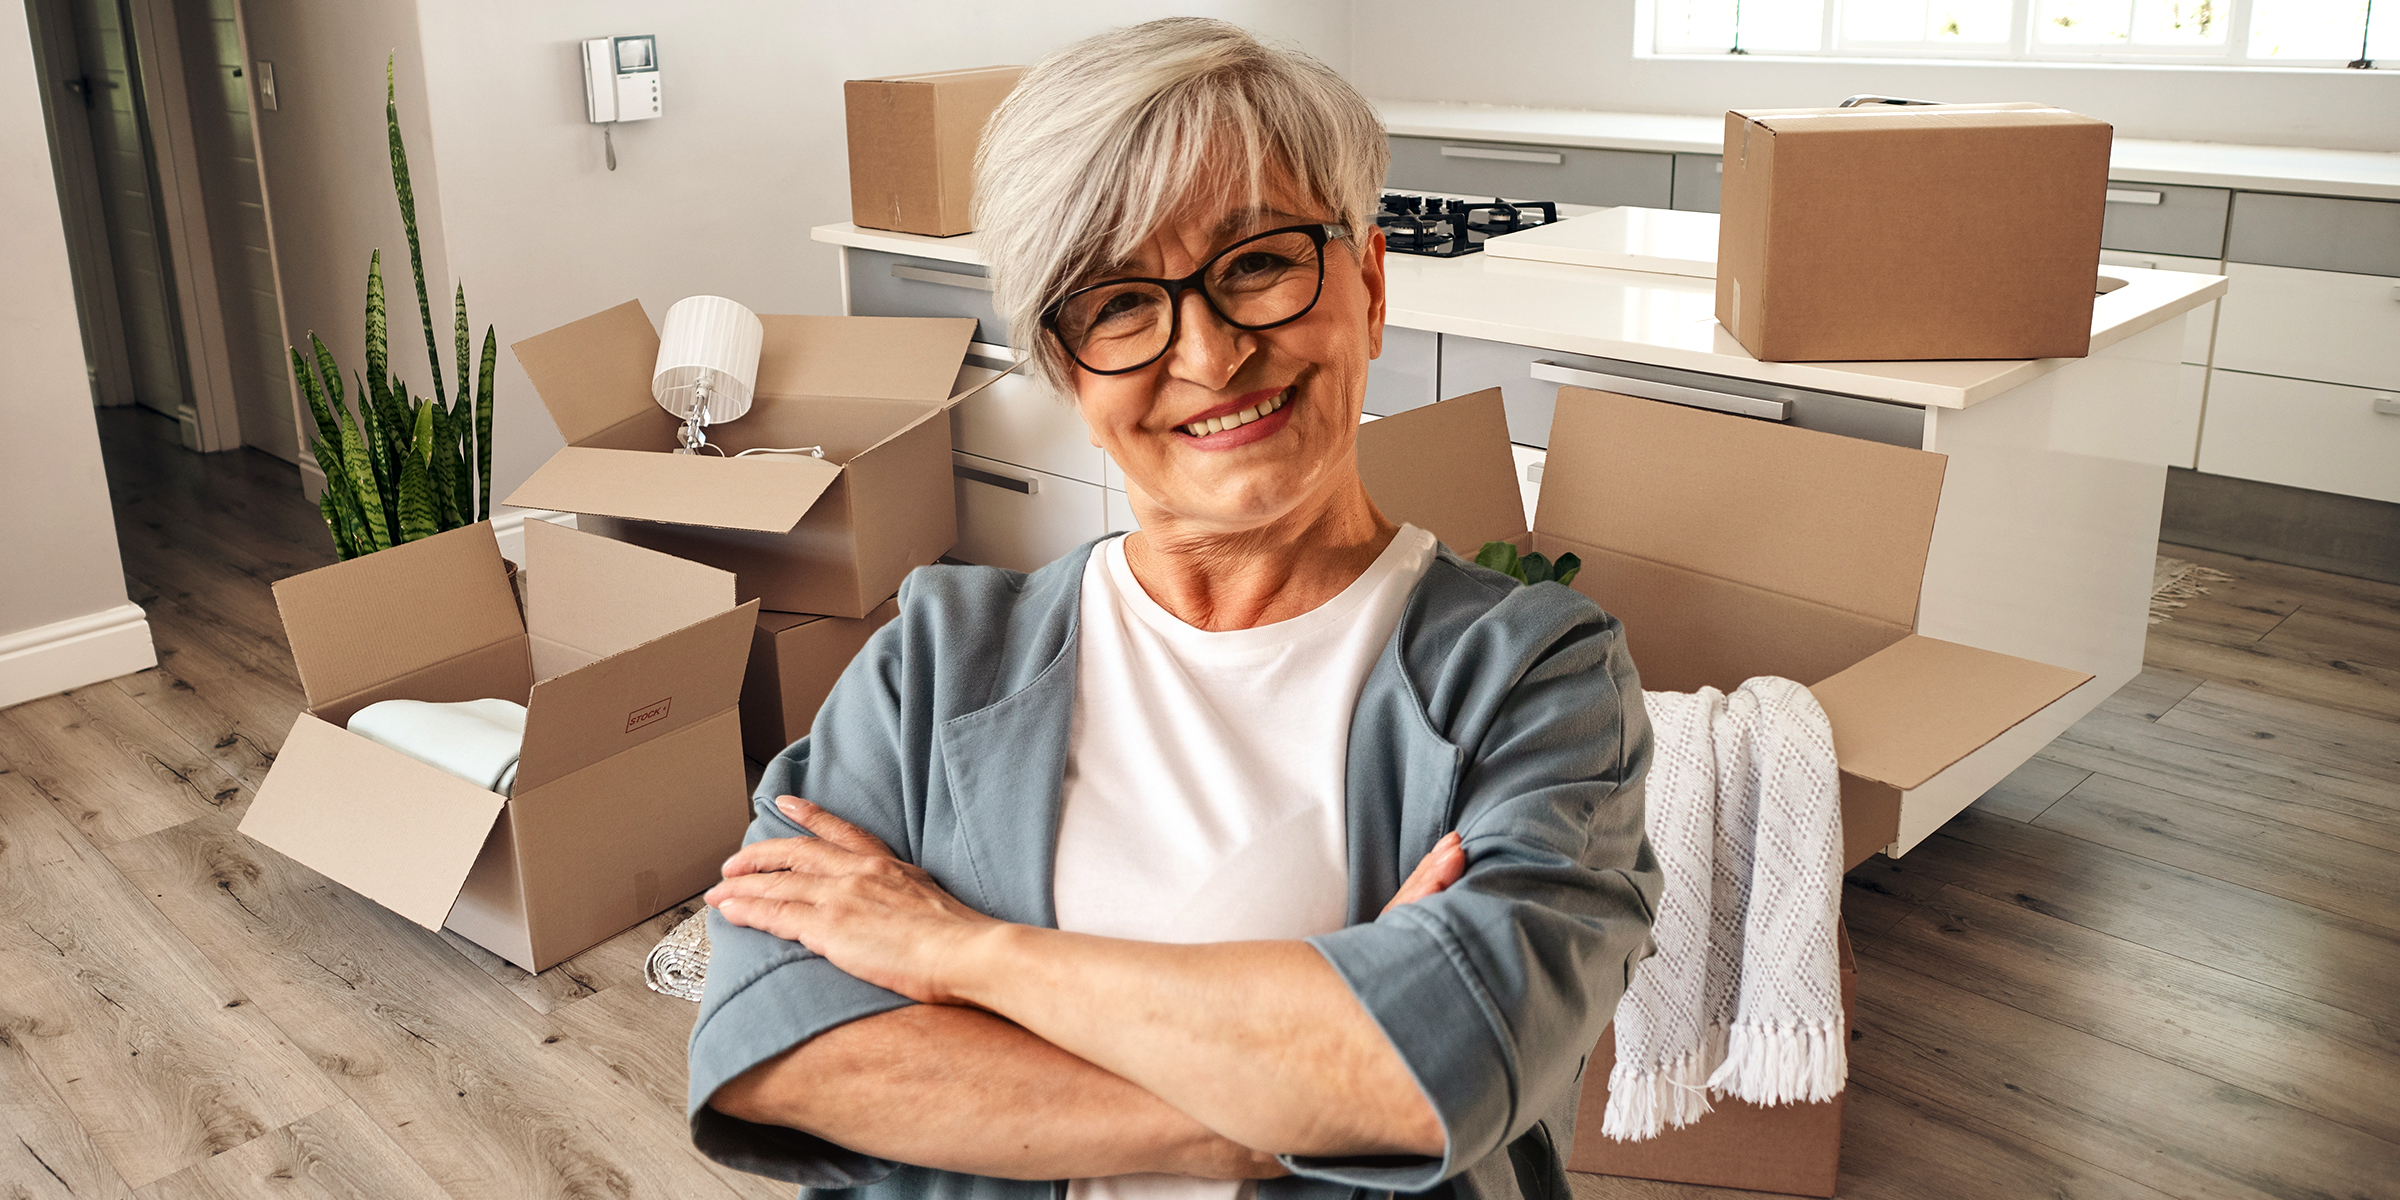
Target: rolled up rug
[678, 965]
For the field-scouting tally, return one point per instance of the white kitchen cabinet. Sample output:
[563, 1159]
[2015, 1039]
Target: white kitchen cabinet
[2320, 325]
[2191, 406]
[1020, 420]
[2200, 325]
[2322, 436]
[1018, 517]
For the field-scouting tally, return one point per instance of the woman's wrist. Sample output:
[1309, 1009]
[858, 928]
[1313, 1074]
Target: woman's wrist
[977, 967]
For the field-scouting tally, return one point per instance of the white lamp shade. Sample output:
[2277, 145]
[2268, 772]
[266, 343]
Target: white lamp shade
[709, 346]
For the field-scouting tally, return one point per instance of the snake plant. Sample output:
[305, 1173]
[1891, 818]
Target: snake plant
[1527, 568]
[407, 466]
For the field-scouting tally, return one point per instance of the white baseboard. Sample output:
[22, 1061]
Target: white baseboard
[74, 652]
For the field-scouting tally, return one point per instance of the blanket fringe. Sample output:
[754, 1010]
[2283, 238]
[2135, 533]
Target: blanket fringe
[1642, 1103]
[1772, 1064]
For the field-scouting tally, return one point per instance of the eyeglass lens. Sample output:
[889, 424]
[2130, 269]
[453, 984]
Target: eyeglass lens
[1254, 284]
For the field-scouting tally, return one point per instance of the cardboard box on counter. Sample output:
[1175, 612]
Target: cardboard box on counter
[794, 660]
[1731, 548]
[912, 146]
[1887, 232]
[629, 789]
[829, 535]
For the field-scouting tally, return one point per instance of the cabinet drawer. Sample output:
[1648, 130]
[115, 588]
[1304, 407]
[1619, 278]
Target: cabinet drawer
[1472, 364]
[1566, 174]
[2319, 436]
[2318, 233]
[1016, 517]
[899, 285]
[1699, 181]
[2310, 325]
[1020, 421]
[2165, 220]
[1406, 374]
[2199, 325]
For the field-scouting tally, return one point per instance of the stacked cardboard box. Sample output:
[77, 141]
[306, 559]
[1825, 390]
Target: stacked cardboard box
[820, 543]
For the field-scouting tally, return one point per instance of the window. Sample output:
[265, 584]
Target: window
[2233, 33]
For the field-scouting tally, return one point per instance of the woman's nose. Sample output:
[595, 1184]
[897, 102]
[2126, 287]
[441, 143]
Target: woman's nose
[1208, 351]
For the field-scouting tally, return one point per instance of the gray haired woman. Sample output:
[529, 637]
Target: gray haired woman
[1271, 850]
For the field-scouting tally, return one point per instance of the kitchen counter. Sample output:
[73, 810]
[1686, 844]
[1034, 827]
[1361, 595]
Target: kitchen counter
[2298, 169]
[1663, 320]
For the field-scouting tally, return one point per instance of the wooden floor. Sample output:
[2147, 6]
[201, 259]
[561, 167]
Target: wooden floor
[2163, 959]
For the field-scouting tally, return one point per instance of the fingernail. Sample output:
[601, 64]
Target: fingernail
[788, 806]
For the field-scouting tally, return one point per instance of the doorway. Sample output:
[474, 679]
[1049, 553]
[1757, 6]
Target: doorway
[149, 109]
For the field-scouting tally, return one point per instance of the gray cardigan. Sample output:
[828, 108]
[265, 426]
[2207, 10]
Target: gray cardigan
[1510, 713]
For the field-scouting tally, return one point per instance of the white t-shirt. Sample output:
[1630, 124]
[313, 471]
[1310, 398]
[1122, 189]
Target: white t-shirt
[1205, 775]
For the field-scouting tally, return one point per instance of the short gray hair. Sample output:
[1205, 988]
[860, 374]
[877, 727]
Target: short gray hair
[1101, 141]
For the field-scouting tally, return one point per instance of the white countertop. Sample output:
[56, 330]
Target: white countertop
[2200, 164]
[1666, 320]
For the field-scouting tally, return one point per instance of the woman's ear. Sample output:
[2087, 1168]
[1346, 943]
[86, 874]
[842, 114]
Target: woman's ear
[1370, 272]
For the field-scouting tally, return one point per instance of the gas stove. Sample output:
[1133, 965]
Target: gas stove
[1451, 226]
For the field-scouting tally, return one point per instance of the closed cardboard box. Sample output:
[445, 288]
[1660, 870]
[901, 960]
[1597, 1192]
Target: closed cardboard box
[629, 791]
[794, 660]
[828, 535]
[1939, 231]
[912, 147]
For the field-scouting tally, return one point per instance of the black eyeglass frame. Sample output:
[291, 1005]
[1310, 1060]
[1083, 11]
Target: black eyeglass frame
[1317, 232]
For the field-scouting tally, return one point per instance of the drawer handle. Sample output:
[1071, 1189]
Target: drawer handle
[944, 278]
[2388, 405]
[1550, 157]
[1672, 393]
[1027, 487]
[2125, 196]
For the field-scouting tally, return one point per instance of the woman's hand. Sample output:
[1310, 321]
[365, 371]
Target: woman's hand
[844, 895]
[1440, 868]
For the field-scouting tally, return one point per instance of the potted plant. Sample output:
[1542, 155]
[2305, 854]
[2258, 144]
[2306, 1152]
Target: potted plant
[406, 466]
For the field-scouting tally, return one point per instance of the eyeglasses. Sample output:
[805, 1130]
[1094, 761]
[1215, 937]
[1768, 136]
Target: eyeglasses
[1260, 282]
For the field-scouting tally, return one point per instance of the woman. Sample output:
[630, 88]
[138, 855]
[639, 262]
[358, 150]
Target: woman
[1100, 891]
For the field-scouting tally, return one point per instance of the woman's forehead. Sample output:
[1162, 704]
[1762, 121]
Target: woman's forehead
[1205, 228]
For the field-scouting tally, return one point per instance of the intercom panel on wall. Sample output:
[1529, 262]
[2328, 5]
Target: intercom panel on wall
[620, 77]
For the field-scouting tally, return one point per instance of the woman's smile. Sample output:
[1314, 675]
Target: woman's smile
[1240, 421]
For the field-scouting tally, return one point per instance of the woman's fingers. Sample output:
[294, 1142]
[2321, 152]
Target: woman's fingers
[832, 828]
[830, 832]
[1441, 867]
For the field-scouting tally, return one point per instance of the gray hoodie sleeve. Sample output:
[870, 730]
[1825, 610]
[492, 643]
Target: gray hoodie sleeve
[1495, 990]
[764, 994]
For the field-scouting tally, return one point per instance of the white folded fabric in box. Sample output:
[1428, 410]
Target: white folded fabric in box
[476, 740]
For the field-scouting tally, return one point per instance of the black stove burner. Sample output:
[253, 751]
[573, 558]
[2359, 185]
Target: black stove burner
[1443, 228]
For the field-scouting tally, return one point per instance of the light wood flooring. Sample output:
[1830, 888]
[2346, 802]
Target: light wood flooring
[2163, 959]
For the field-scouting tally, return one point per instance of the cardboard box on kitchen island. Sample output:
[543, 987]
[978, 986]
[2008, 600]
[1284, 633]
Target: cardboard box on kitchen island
[1943, 231]
[829, 535]
[912, 147]
[629, 788]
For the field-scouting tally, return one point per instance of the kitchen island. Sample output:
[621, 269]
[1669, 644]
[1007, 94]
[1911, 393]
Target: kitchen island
[2048, 525]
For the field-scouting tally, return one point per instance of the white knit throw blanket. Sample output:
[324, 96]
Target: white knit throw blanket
[1744, 994]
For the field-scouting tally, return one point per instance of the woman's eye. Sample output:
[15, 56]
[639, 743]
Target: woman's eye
[1123, 308]
[1256, 264]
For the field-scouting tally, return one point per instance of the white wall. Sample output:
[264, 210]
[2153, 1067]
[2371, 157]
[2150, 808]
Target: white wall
[716, 196]
[59, 569]
[1580, 55]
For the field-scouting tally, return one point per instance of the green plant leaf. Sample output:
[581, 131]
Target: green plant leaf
[342, 547]
[379, 357]
[417, 519]
[383, 468]
[483, 421]
[458, 309]
[1537, 569]
[408, 221]
[307, 379]
[1501, 557]
[1567, 568]
[361, 473]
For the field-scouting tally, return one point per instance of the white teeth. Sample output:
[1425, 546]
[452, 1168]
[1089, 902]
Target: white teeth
[1235, 420]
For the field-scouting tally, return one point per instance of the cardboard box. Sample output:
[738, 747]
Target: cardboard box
[912, 146]
[1793, 1149]
[1732, 547]
[828, 535]
[629, 792]
[1934, 231]
[794, 660]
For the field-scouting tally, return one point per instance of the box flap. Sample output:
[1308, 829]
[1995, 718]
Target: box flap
[1834, 520]
[360, 623]
[627, 699]
[372, 819]
[868, 358]
[594, 373]
[961, 74]
[766, 493]
[1445, 468]
[1907, 712]
[588, 597]
[1876, 117]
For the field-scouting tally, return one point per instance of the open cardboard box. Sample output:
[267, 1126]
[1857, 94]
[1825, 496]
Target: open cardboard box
[829, 535]
[1730, 548]
[795, 658]
[630, 790]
